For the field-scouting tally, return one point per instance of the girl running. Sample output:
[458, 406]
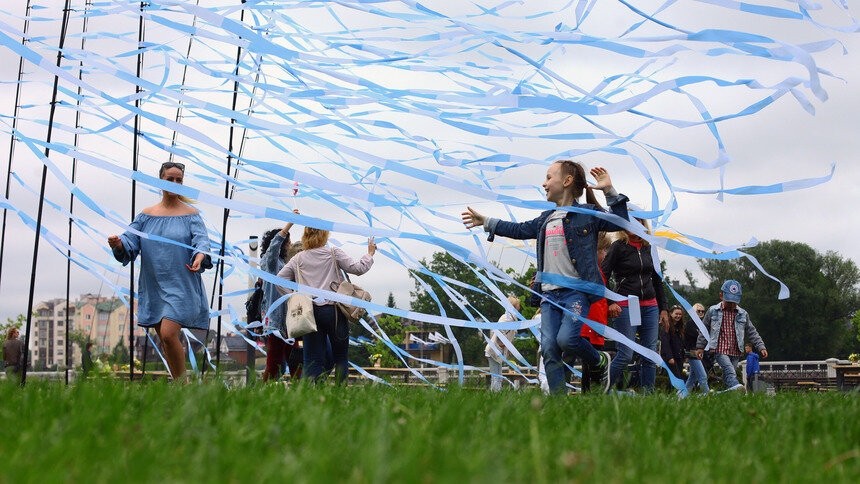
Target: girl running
[567, 258]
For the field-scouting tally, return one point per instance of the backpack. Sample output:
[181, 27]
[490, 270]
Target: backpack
[254, 304]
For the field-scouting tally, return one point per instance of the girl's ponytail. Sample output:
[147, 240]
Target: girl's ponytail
[184, 199]
[590, 198]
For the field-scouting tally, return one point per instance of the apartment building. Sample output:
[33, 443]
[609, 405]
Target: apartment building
[103, 319]
[48, 341]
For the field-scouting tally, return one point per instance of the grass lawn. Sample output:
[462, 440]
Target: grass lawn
[105, 431]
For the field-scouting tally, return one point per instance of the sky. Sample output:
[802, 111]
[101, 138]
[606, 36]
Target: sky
[781, 143]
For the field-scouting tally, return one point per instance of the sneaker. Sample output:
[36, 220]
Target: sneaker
[600, 374]
[738, 388]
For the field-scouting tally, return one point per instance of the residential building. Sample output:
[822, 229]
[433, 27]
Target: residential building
[103, 319]
[47, 343]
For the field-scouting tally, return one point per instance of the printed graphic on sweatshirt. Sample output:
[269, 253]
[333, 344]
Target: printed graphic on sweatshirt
[556, 257]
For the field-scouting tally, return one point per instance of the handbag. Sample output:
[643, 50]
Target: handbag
[300, 311]
[347, 288]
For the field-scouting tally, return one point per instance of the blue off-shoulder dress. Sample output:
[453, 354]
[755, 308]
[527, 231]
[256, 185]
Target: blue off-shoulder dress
[166, 288]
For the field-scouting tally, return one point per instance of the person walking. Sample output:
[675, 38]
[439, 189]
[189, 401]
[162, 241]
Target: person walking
[672, 341]
[274, 254]
[630, 260]
[698, 375]
[753, 367]
[496, 351]
[319, 264]
[728, 324]
[13, 355]
[170, 288]
[87, 363]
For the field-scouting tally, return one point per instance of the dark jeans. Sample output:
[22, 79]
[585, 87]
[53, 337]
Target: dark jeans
[587, 369]
[333, 328]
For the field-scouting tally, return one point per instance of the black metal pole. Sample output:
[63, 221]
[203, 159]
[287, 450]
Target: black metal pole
[226, 210]
[145, 351]
[62, 43]
[15, 113]
[72, 195]
[135, 153]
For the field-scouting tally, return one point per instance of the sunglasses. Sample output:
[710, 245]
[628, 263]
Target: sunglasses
[170, 164]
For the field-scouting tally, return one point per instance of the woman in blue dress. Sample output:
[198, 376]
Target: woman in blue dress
[170, 289]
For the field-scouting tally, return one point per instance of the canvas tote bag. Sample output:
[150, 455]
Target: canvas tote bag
[300, 310]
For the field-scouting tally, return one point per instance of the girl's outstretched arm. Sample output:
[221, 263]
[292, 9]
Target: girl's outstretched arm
[514, 230]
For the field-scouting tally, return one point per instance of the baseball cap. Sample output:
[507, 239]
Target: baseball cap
[731, 291]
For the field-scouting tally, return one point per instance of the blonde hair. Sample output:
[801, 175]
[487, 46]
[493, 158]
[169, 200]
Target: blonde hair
[698, 306]
[604, 240]
[625, 237]
[313, 238]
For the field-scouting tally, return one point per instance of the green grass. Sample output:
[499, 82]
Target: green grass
[104, 431]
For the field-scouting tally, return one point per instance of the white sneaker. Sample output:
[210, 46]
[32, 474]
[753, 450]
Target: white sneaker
[738, 388]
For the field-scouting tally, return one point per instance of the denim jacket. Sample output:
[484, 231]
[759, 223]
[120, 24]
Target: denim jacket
[713, 320]
[580, 231]
[272, 263]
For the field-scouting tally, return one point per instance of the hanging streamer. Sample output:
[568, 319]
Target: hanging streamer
[379, 121]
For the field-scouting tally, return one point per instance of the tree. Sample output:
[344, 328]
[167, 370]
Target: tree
[393, 327]
[80, 338]
[854, 344]
[814, 322]
[390, 303]
[12, 323]
[480, 304]
[119, 354]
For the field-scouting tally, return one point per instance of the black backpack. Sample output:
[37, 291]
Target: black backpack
[254, 304]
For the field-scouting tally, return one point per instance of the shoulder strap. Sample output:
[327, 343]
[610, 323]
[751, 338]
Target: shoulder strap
[341, 274]
[299, 278]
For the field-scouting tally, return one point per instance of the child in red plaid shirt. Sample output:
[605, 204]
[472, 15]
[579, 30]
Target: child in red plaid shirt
[727, 325]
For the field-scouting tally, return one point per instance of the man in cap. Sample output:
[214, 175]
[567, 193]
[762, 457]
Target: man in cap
[728, 324]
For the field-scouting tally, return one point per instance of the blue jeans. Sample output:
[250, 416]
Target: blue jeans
[561, 332]
[697, 375]
[495, 369]
[333, 329]
[647, 338]
[729, 364]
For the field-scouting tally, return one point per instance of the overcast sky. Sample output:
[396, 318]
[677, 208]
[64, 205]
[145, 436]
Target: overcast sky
[781, 143]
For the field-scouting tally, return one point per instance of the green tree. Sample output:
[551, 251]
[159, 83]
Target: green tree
[480, 304]
[853, 343]
[814, 322]
[119, 354]
[12, 323]
[80, 338]
[393, 327]
[390, 303]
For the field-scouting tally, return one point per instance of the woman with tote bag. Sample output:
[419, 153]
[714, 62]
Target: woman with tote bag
[318, 265]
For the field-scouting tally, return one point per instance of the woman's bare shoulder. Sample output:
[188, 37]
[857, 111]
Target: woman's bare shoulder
[160, 211]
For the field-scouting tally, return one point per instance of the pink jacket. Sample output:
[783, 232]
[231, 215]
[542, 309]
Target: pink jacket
[319, 270]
